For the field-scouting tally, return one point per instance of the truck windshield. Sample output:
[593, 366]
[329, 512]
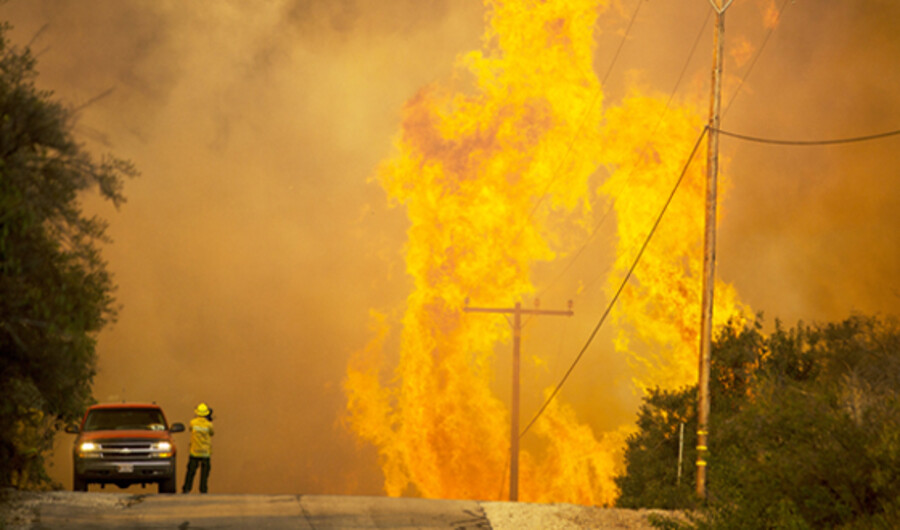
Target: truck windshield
[125, 419]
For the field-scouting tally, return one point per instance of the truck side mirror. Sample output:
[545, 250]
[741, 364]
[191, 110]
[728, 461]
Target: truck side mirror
[72, 429]
[176, 427]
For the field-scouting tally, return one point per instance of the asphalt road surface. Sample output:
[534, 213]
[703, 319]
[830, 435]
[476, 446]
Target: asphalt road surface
[70, 510]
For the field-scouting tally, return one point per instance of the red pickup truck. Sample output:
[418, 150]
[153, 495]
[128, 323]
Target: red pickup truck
[124, 444]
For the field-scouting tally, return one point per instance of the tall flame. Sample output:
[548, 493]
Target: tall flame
[494, 170]
[658, 315]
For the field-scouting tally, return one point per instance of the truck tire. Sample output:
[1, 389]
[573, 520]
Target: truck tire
[79, 484]
[167, 485]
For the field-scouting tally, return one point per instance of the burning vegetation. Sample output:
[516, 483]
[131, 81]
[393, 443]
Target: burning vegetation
[495, 168]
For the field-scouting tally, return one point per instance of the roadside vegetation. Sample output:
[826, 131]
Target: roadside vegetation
[804, 431]
[55, 291]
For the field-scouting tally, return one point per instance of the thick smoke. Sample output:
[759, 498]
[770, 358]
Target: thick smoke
[254, 245]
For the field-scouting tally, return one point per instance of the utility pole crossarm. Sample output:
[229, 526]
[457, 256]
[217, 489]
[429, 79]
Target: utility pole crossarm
[566, 313]
[720, 10]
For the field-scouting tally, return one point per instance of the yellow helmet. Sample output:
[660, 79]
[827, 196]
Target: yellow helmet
[202, 410]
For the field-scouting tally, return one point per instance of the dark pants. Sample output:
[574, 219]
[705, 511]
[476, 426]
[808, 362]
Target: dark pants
[205, 466]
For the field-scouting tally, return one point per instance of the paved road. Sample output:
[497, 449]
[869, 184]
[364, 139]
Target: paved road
[73, 511]
[80, 511]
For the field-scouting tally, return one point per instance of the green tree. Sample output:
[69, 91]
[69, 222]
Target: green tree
[55, 291]
[651, 454]
[805, 430]
[816, 444]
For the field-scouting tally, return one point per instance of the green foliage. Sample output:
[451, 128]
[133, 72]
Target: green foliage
[804, 429]
[55, 291]
[651, 454]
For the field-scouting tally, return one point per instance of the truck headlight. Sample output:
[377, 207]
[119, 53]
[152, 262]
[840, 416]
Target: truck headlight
[162, 449]
[89, 450]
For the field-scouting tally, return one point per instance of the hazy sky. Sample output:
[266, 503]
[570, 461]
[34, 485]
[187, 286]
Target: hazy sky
[254, 245]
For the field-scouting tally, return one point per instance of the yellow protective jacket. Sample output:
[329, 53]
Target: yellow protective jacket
[201, 434]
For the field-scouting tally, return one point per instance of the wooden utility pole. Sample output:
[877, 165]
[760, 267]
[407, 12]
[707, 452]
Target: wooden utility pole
[517, 312]
[709, 247]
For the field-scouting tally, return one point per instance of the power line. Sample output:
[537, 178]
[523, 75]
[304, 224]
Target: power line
[773, 141]
[671, 196]
[665, 110]
[615, 297]
[612, 205]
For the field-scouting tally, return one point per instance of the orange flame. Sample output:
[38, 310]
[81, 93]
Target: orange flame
[481, 166]
[658, 315]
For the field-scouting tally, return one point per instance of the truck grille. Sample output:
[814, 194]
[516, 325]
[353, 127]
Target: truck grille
[126, 449]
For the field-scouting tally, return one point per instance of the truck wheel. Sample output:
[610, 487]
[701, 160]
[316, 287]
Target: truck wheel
[167, 485]
[79, 484]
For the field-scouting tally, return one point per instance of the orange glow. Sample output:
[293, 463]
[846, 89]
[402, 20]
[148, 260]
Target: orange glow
[658, 315]
[770, 14]
[741, 51]
[473, 162]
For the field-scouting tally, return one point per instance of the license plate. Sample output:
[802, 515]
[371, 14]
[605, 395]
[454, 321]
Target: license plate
[125, 468]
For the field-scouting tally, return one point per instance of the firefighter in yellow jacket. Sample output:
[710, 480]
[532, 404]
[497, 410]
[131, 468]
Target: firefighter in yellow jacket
[201, 448]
